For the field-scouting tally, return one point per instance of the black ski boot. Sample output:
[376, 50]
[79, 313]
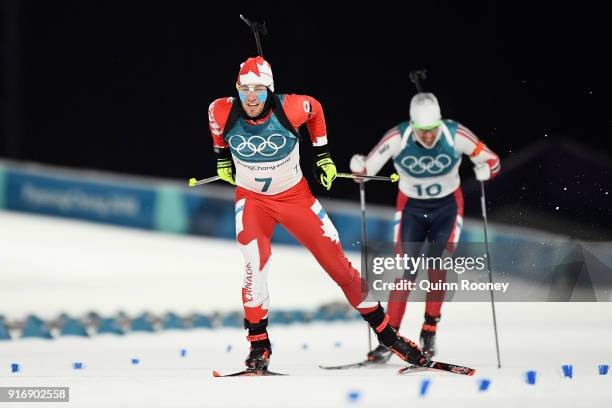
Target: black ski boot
[408, 351]
[428, 336]
[261, 349]
[428, 343]
[258, 359]
[405, 349]
[380, 355]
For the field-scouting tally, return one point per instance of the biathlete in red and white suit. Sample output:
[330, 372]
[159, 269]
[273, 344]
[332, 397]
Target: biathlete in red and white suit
[257, 145]
[426, 152]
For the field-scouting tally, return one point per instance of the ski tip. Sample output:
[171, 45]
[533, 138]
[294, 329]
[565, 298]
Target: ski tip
[472, 372]
[216, 373]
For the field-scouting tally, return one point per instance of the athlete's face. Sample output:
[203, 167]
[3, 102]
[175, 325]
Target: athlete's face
[427, 136]
[253, 98]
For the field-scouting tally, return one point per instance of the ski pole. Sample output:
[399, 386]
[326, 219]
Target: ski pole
[392, 178]
[193, 182]
[483, 204]
[364, 248]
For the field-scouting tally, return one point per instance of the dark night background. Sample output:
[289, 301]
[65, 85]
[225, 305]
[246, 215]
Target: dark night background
[125, 86]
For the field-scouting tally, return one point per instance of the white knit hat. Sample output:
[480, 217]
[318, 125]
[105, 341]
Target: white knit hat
[425, 111]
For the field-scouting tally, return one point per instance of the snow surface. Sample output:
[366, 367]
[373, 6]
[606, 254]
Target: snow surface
[50, 265]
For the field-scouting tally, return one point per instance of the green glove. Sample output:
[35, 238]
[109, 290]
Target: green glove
[325, 169]
[224, 166]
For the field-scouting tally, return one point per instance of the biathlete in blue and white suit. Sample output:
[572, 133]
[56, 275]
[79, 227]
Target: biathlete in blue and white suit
[426, 152]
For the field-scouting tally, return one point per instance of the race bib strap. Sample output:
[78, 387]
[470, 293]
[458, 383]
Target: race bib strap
[277, 104]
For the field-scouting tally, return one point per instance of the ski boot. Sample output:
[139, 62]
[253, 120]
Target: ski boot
[380, 355]
[428, 343]
[408, 351]
[428, 336]
[402, 347]
[258, 358]
[261, 349]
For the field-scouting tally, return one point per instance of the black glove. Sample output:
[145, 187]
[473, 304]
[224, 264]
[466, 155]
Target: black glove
[325, 169]
[225, 168]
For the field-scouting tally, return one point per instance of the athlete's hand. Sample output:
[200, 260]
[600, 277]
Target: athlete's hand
[358, 166]
[358, 163]
[325, 169]
[482, 171]
[224, 166]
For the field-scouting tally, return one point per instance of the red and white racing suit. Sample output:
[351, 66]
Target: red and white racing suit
[272, 190]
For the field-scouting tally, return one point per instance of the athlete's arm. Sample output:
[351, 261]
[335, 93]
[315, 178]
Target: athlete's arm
[304, 109]
[486, 161]
[218, 111]
[386, 148]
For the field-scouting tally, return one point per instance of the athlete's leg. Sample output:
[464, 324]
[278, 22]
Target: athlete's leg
[411, 230]
[304, 217]
[444, 234]
[254, 229]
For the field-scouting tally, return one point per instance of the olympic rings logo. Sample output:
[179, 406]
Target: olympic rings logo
[427, 164]
[267, 147]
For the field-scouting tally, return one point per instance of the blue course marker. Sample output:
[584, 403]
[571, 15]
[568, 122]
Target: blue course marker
[603, 369]
[353, 396]
[135, 361]
[77, 365]
[483, 384]
[530, 377]
[568, 370]
[15, 367]
[424, 387]
[183, 352]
